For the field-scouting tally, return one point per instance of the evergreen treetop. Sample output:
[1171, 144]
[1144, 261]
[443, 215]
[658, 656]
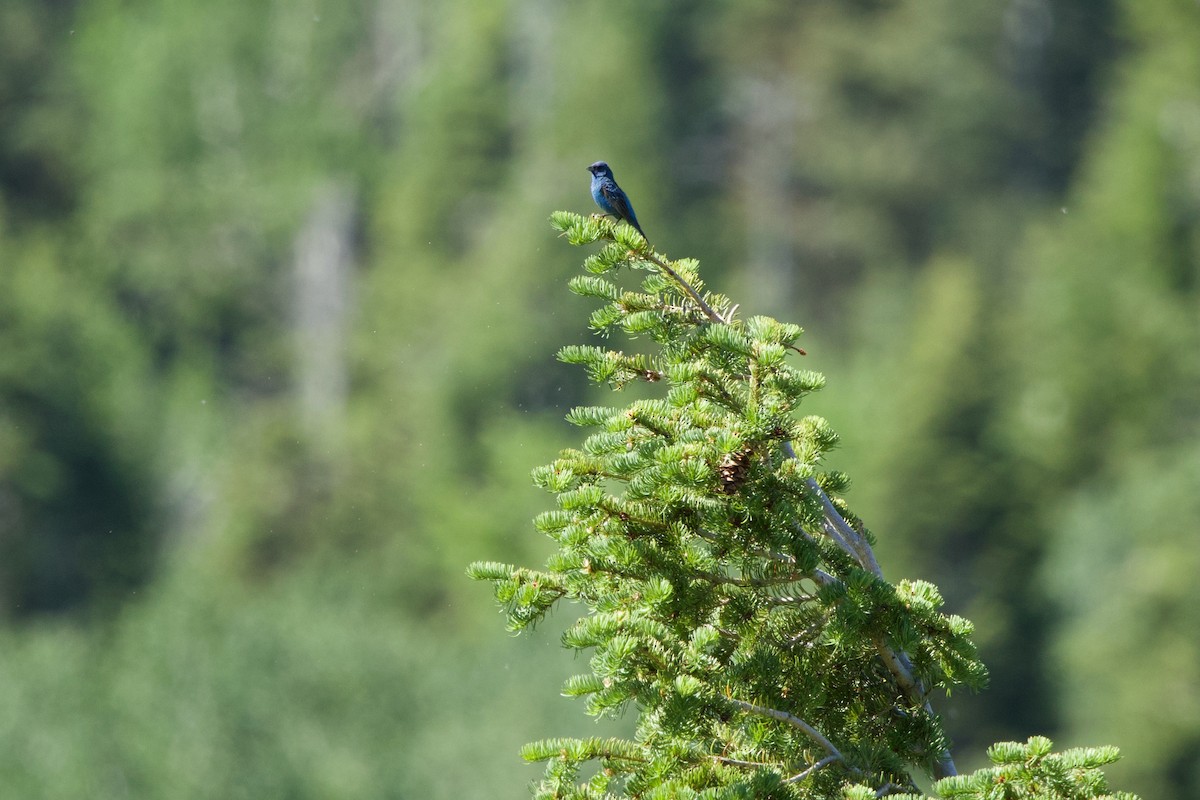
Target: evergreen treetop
[732, 596]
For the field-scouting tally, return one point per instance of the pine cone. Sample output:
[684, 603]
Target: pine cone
[733, 470]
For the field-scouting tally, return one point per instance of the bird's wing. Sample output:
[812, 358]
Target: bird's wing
[617, 199]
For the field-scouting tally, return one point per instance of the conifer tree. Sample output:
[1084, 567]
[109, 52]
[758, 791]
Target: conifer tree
[732, 597]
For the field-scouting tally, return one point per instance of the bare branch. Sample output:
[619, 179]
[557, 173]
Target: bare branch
[792, 720]
[896, 661]
[824, 762]
[835, 522]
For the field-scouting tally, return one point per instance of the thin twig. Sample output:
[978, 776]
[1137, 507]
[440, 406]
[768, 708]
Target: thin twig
[794, 721]
[687, 287]
[737, 762]
[792, 600]
[824, 762]
[782, 580]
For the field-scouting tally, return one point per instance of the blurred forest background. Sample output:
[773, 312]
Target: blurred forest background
[279, 304]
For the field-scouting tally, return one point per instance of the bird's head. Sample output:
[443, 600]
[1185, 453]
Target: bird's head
[600, 170]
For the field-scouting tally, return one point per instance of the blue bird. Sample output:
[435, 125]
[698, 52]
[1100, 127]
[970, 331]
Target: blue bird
[612, 201]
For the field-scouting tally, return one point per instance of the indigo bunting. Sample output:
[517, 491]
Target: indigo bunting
[612, 201]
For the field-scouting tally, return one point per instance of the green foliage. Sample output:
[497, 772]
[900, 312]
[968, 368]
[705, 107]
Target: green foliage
[306, 688]
[1104, 409]
[1031, 771]
[75, 454]
[986, 214]
[730, 598]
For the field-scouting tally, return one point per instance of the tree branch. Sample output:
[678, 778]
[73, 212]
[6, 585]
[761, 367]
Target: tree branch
[896, 661]
[835, 522]
[792, 720]
[713, 316]
[737, 762]
[824, 762]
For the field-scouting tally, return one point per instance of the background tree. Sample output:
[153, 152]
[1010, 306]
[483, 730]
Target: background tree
[276, 299]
